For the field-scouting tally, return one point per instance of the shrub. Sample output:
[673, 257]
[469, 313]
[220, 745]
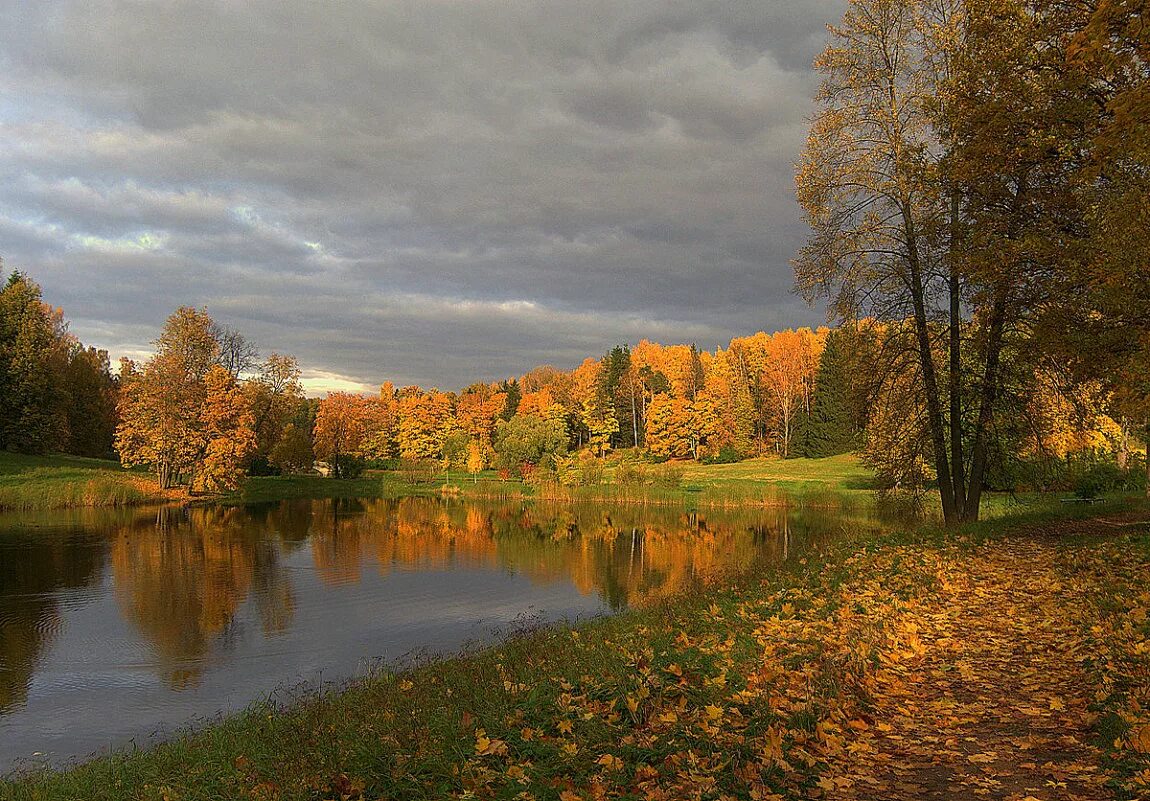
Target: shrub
[526, 438]
[417, 471]
[630, 474]
[350, 466]
[669, 475]
[728, 454]
[591, 470]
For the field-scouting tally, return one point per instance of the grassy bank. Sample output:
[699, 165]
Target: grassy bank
[755, 482]
[763, 687]
[52, 482]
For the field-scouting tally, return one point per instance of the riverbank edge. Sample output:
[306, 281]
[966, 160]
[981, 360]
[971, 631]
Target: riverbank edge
[48, 483]
[438, 726]
[87, 483]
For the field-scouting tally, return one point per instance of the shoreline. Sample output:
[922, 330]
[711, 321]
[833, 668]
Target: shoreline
[640, 687]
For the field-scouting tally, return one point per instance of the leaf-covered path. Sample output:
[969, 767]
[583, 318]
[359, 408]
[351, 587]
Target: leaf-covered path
[982, 692]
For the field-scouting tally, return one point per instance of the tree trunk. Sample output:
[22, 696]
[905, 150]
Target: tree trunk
[1146, 439]
[1123, 455]
[634, 419]
[988, 397]
[957, 459]
[929, 375]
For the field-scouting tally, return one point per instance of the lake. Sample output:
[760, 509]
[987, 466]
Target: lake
[122, 626]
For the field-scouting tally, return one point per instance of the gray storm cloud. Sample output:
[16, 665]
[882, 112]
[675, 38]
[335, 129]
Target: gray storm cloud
[432, 192]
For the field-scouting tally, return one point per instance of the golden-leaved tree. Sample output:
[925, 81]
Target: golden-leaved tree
[937, 182]
[345, 424]
[228, 432]
[425, 418]
[181, 413]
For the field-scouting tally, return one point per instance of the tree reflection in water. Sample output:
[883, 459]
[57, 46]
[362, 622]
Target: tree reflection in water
[181, 575]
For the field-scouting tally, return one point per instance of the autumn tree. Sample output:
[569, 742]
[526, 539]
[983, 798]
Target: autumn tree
[600, 423]
[293, 451]
[382, 438]
[1104, 334]
[477, 411]
[935, 183]
[274, 395]
[668, 431]
[477, 457]
[173, 416]
[92, 392]
[425, 419]
[527, 440]
[678, 427]
[730, 386]
[343, 426]
[227, 429]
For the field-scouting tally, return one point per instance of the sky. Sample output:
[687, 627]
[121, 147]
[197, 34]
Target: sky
[432, 192]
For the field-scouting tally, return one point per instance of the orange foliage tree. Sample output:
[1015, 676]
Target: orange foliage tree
[343, 424]
[163, 420]
[424, 420]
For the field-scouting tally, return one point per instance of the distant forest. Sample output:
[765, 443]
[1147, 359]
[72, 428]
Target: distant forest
[208, 410]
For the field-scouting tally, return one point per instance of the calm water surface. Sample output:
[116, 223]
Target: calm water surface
[120, 626]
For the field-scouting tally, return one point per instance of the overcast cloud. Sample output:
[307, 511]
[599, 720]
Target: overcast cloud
[432, 192]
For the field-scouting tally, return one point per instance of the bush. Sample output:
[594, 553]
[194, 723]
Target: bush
[350, 466]
[418, 471]
[669, 475]
[526, 438]
[727, 454]
[591, 470]
[630, 474]
[260, 466]
[1106, 476]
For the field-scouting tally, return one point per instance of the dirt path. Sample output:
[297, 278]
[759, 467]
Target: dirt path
[982, 695]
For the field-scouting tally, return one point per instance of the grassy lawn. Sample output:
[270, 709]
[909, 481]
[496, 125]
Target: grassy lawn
[753, 482]
[49, 482]
[784, 685]
[838, 473]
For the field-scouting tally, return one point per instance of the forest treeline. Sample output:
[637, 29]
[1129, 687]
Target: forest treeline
[206, 410]
[977, 188]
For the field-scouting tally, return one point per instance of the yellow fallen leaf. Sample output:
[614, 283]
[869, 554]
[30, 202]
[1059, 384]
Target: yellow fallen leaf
[610, 761]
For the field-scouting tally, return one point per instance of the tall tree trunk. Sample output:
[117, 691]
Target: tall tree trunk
[634, 419]
[1146, 439]
[929, 374]
[957, 459]
[988, 396]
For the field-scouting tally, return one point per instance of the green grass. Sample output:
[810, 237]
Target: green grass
[547, 711]
[55, 482]
[839, 473]
[835, 481]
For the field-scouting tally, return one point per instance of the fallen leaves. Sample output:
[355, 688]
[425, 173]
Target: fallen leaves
[904, 672]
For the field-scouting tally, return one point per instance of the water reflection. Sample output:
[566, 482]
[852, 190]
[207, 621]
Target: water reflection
[159, 614]
[33, 573]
